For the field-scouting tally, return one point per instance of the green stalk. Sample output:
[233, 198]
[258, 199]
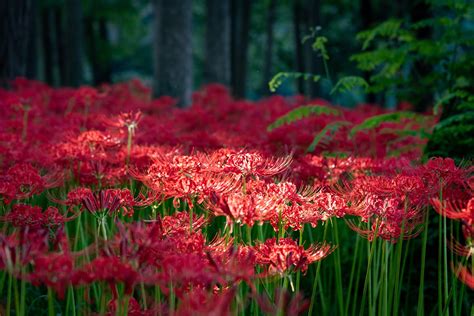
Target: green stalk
[421, 299]
[398, 257]
[50, 302]
[171, 299]
[440, 243]
[22, 292]
[70, 301]
[370, 250]
[9, 294]
[385, 293]
[298, 273]
[316, 278]
[129, 146]
[281, 311]
[351, 279]
[337, 267]
[17, 296]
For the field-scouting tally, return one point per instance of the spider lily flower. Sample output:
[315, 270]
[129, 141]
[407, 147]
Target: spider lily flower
[32, 217]
[53, 270]
[256, 164]
[285, 255]
[23, 181]
[464, 275]
[454, 210]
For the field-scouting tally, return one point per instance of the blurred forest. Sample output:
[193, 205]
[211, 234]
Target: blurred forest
[178, 46]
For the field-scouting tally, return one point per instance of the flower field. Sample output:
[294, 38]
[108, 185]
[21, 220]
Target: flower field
[112, 203]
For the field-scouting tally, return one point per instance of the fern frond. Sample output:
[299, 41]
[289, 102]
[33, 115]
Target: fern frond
[349, 83]
[319, 45]
[302, 112]
[331, 127]
[280, 77]
[443, 100]
[377, 120]
[388, 29]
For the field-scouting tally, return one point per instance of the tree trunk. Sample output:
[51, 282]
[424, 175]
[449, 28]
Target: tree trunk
[47, 45]
[421, 11]
[267, 68]
[14, 26]
[315, 61]
[32, 48]
[368, 19]
[217, 59]
[240, 25]
[173, 74]
[299, 57]
[60, 52]
[74, 43]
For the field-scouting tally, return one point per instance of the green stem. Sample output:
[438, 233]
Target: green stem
[50, 302]
[421, 299]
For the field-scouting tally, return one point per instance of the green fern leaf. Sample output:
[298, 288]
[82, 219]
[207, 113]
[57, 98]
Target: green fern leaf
[280, 77]
[377, 120]
[302, 112]
[349, 83]
[331, 127]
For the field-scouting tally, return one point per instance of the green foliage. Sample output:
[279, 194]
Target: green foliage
[302, 112]
[280, 77]
[375, 121]
[349, 83]
[426, 58]
[332, 128]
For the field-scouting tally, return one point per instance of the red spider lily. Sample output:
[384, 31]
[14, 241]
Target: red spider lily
[464, 275]
[134, 308]
[233, 265]
[108, 201]
[129, 120]
[461, 250]
[201, 302]
[454, 210]
[442, 172]
[111, 270]
[256, 164]
[286, 255]
[179, 223]
[33, 217]
[53, 270]
[22, 181]
[20, 248]
[285, 303]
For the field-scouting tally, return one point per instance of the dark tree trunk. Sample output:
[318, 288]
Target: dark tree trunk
[173, 74]
[14, 26]
[368, 20]
[314, 9]
[421, 11]
[47, 45]
[267, 68]
[60, 51]
[299, 56]
[32, 48]
[240, 26]
[74, 43]
[217, 60]
[105, 69]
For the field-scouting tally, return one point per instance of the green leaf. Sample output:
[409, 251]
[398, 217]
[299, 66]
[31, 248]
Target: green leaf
[377, 120]
[349, 83]
[331, 127]
[447, 97]
[388, 29]
[280, 77]
[319, 45]
[302, 112]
